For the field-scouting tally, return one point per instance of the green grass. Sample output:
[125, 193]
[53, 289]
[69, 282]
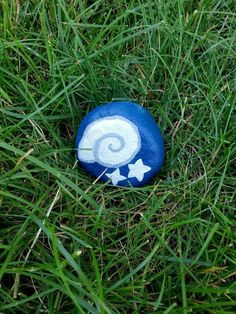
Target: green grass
[70, 246]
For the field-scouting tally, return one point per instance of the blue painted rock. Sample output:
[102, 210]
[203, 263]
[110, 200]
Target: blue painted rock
[120, 143]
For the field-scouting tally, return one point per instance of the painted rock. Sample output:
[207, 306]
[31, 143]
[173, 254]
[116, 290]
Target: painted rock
[120, 143]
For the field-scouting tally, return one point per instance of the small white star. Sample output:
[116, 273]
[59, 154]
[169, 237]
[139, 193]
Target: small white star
[137, 170]
[115, 176]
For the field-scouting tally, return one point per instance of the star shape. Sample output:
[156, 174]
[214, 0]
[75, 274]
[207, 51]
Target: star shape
[137, 170]
[115, 176]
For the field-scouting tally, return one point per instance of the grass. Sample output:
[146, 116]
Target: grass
[69, 245]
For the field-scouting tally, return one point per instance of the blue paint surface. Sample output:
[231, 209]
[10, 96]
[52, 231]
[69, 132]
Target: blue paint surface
[152, 147]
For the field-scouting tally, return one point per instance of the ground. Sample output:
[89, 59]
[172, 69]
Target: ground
[72, 245]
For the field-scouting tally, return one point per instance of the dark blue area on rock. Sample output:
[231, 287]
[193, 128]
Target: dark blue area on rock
[116, 126]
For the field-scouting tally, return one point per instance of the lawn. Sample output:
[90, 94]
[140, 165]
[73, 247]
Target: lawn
[69, 244]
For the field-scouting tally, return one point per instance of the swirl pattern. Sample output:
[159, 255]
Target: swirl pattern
[111, 141]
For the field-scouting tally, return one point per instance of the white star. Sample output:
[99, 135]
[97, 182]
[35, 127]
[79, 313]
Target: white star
[115, 176]
[137, 170]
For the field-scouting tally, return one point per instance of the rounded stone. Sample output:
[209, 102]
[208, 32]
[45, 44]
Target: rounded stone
[121, 143]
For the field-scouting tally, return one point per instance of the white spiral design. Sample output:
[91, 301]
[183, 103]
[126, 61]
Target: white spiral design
[110, 141]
